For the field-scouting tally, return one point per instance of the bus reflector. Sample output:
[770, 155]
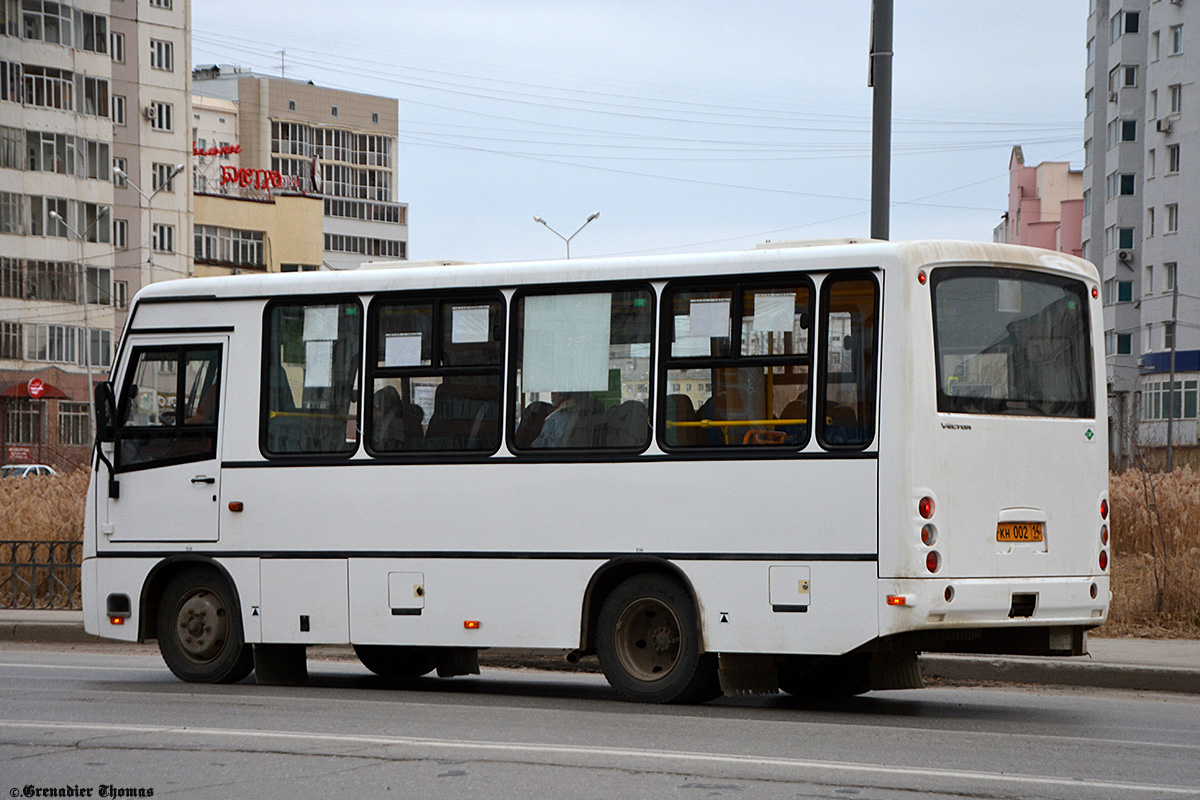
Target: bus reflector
[1095, 292]
[1104, 509]
[116, 620]
[1103, 534]
[933, 561]
[471, 624]
[928, 535]
[1103, 560]
[921, 278]
[897, 599]
[236, 506]
[925, 507]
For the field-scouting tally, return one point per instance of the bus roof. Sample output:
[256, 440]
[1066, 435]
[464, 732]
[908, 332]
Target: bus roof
[780, 258]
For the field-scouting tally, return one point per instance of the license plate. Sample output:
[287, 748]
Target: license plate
[1019, 532]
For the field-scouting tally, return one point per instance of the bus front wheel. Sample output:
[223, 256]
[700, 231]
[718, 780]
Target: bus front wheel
[648, 641]
[396, 662]
[199, 632]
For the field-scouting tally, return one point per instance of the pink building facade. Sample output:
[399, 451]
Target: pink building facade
[1045, 206]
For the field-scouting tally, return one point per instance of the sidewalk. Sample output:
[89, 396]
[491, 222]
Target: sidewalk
[1155, 665]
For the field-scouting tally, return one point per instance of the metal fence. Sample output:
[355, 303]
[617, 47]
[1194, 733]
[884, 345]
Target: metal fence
[42, 575]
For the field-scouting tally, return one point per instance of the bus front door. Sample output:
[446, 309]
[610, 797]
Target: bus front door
[167, 448]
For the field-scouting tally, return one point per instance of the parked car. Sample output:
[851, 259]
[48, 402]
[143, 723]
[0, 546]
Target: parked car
[26, 470]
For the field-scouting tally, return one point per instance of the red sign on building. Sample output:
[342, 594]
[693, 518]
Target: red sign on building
[36, 387]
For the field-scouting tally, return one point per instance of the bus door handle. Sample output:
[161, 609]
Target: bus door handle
[203, 479]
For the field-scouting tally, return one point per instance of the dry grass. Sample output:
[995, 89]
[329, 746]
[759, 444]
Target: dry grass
[1155, 542]
[43, 509]
[1156, 554]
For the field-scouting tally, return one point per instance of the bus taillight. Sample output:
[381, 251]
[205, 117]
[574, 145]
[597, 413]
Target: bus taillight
[1103, 560]
[1104, 509]
[928, 535]
[925, 507]
[1104, 534]
[933, 561]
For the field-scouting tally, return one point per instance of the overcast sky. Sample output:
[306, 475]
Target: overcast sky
[696, 125]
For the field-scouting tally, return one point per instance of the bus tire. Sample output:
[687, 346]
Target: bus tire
[398, 663]
[200, 631]
[648, 641]
[836, 676]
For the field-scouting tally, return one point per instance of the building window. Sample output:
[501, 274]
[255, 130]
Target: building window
[1172, 218]
[1124, 22]
[1159, 402]
[375, 117]
[1172, 158]
[120, 233]
[1122, 130]
[1087, 101]
[1124, 344]
[98, 283]
[121, 294]
[1150, 163]
[161, 116]
[1122, 77]
[1091, 52]
[1150, 222]
[333, 111]
[10, 340]
[1154, 46]
[1169, 274]
[227, 246]
[72, 423]
[1176, 39]
[23, 421]
[160, 3]
[117, 46]
[54, 344]
[291, 105]
[118, 109]
[1124, 291]
[1125, 238]
[162, 55]
[121, 164]
[162, 238]
[1175, 98]
[162, 178]
[1087, 151]
[1087, 202]
[1120, 183]
[1148, 288]
[101, 352]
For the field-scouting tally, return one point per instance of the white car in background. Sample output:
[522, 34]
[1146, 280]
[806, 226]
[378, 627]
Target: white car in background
[26, 471]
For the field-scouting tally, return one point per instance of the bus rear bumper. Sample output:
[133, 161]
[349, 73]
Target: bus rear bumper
[996, 604]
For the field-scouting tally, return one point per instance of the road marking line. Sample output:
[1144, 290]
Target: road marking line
[530, 748]
[148, 668]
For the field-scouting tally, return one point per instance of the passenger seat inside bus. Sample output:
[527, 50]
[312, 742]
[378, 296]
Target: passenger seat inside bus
[679, 409]
[627, 425]
[466, 415]
[532, 419]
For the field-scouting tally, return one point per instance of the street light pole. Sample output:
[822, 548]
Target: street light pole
[149, 198]
[566, 239]
[87, 328]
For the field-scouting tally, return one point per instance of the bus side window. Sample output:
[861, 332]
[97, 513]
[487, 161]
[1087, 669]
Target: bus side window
[310, 384]
[748, 390]
[168, 411]
[583, 370]
[846, 408]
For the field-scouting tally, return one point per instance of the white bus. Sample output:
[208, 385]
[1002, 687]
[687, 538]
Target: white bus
[793, 467]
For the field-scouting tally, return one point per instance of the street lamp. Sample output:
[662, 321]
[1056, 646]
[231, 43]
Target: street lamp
[87, 328]
[149, 198]
[566, 239]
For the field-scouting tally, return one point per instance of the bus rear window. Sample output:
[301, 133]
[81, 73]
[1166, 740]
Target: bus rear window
[1011, 342]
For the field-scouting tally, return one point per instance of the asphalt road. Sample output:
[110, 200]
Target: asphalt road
[105, 719]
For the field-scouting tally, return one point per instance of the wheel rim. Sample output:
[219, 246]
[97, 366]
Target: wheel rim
[648, 639]
[201, 625]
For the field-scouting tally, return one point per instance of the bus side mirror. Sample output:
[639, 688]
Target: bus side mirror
[106, 412]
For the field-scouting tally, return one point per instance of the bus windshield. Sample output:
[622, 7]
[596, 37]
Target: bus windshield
[1011, 342]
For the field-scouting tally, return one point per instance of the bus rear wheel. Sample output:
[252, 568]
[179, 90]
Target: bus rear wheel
[398, 663]
[648, 641]
[199, 632]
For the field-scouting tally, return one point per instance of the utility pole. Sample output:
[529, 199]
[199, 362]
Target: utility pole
[880, 79]
[1171, 384]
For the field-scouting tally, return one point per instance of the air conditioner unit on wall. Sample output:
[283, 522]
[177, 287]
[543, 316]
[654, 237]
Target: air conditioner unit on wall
[148, 112]
[1163, 126]
[1125, 255]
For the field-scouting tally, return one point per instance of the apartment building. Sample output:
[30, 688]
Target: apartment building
[342, 144]
[1141, 208]
[1045, 206]
[56, 198]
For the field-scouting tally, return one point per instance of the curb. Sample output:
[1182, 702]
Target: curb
[66, 629]
[1062, 673]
